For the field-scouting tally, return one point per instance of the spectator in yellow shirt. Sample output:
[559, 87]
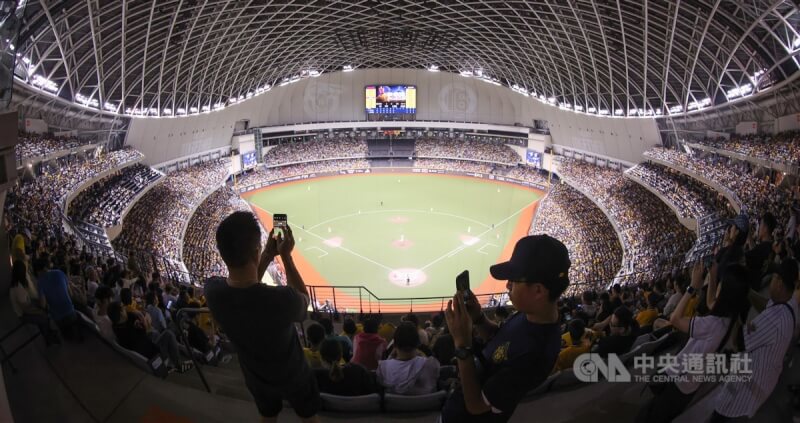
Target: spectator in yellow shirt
[646, 317]
[315, 334]
[581, 343]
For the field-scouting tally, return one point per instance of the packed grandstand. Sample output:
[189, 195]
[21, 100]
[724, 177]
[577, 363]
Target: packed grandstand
[387, 211]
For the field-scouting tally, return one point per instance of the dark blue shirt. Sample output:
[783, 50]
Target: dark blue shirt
[518, 359]
[53, 288]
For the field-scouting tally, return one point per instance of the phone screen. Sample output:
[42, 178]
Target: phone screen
[462, 283]
[279, 222]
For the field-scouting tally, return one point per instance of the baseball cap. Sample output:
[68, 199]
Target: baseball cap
[536, 258]
[742, 222]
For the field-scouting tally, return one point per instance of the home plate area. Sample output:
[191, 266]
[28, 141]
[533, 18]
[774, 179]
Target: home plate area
[407, 277]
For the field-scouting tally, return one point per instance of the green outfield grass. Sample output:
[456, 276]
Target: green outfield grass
[428, 229]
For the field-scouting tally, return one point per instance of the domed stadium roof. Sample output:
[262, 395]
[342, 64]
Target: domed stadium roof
[616, 57]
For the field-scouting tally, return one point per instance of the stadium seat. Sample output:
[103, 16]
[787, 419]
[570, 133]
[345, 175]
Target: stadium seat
[359, 404]
[566, 378]
[641, 340]
[401, 403]
[544, 386]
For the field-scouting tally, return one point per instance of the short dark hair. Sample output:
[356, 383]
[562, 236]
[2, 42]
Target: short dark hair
[625, 316]
[327, 324]
[126, 296]
[349, 326]
[115, 312]
[330, 351]
[150, 297]
[237, 237]
[103, 292]
[437, 320]
[41, 263]
[768, 219]
[406, 336]
[576, 330]
[411, 317]
[19, 274]
[315, 333]
[371, 325]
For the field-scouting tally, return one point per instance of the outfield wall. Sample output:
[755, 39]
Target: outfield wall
[253, 187]
[339, 97]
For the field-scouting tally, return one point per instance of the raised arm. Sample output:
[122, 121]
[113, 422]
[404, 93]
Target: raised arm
[676, 319]
[268, 255]
[285, 247]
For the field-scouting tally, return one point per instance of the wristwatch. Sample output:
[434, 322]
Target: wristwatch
[463, 353]
[690, 290]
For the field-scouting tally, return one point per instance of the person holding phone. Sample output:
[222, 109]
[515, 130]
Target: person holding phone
[519, 356]
[259, 319]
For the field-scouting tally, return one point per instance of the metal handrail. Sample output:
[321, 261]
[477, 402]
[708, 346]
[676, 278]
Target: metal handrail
[185, 341]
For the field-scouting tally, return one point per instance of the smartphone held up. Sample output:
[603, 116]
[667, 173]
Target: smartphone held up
[279, 223]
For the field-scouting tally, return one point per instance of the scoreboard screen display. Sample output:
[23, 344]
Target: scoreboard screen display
[534, 158]
[249, 160]
[391, 99]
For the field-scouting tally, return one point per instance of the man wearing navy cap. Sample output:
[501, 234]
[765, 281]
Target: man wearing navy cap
[519, 356]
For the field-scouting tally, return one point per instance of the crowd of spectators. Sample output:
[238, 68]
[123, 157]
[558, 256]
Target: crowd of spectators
[690, 197]
[30, 145]
[779, 148]
[199, 244]
[465, 149]
[370, 355]
[455, 165]
[262, 175]
[155, 223]
[528, 174]
[757, 194]
[102, 203]
[652, 238]
[316, 149]
[36, 205]
[595, 252]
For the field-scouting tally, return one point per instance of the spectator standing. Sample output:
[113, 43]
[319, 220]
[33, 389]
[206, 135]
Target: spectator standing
[259, 319]
[54, 294]
[520, 355]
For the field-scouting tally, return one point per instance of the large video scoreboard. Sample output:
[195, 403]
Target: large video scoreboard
[391, 99]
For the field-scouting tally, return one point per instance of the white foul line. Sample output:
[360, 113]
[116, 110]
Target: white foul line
[341, 248]
[462, 247]
[324, 253]
[480, 250]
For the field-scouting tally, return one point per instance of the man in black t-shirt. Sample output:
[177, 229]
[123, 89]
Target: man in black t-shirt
[519, 356]
[259, 319]
[759, 254]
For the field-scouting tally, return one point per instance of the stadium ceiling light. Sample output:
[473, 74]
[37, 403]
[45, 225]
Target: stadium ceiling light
[676, 109]
[110, 107]
[314, 73]
[659, 112]
[740, 91]
[578, 107]
[795, 43]
[193, 109]
[433, 68]
[347, 68]
[591, 110]
[618, 112]
[180, 111]
[604, 112]
[86, 101]
[26, 60]
[44, 83]
[11, 46]
[205, 108]
[466, 73]
[249, 94]
[699, 104]
[167, 111]
[551, 100]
